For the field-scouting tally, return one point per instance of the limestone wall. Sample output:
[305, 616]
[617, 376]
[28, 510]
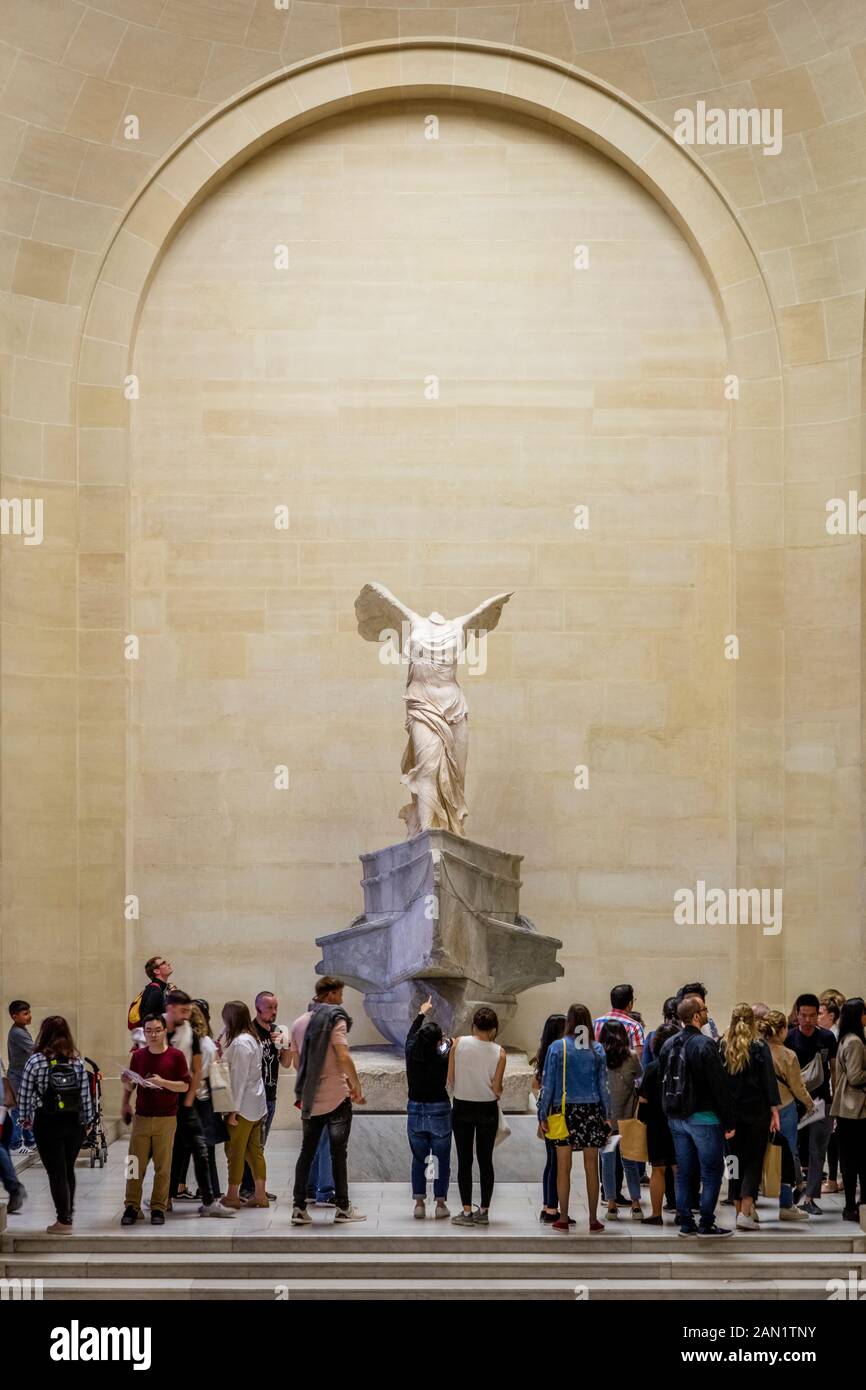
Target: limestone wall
[93, 760]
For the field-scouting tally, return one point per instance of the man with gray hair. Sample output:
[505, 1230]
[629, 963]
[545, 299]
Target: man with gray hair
[276, 1053]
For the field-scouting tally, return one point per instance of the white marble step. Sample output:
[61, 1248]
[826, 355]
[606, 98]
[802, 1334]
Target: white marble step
[431, 1237]
[375, 1266]
[473, 1289]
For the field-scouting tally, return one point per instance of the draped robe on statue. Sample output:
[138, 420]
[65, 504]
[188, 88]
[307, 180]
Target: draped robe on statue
[434, 763]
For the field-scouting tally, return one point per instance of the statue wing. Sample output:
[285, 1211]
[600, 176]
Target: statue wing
[378, 611]
[485, 617]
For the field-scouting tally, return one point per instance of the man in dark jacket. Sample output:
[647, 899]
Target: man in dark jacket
[698, 1105]
[158, 971]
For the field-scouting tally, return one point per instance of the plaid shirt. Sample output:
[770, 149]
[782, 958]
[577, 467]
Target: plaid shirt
[34, 1084]
[631, 1026]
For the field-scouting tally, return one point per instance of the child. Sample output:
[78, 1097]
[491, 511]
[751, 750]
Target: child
[20, 1046]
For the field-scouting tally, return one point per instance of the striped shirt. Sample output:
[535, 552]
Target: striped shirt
[34, 1084]
[631, 1026]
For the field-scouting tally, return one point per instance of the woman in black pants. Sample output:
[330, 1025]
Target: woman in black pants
[476, 1066]
[552, 1031]
[849, 1104]
[55, 1099]
[756, 1101]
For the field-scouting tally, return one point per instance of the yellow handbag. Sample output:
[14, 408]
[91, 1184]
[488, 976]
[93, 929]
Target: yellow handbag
[556, 1126]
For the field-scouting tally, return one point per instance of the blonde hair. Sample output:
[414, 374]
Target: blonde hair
[772, 1023]
[836, 995]
[199, 1023]
[737, 1043]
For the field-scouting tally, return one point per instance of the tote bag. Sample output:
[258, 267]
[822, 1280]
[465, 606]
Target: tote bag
[632, 1142]
[771, 1179]
[220, 1080]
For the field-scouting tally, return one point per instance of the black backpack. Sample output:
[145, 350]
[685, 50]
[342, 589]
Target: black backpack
[62, 1094]
[678, 1092]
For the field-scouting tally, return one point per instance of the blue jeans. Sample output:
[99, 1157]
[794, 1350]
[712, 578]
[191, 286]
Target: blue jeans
[429, 1130]
[788, 1127]
[630, 1167]
[20, 1136]
[320, 1183]
[7, 1171]
[698, 1147]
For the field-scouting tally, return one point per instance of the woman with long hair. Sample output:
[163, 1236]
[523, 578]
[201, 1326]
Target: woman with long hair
[755, 1093]
[428, 1110]
[829, 1010]
[773, 1028]
[554, 1027]
[669, 1016]
[242, 1051]
[55, 1100]
[212, 1130]
[659, 1140]
[623, 1076]
[849, 1103]
[574, 1085]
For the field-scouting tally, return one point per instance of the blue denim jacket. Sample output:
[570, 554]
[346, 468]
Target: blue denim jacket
[585, 1077]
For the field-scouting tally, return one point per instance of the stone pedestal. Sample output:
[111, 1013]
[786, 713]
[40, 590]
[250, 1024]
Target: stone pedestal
[382, 1073]
[442, 917]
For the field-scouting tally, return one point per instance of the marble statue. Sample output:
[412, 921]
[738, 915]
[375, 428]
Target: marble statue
[434, 763]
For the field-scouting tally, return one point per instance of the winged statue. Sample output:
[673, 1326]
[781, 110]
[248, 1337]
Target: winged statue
[434, 763]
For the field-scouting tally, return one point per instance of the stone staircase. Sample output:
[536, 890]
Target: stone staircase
[480, 1265]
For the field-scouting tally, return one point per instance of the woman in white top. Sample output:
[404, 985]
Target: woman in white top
[242, 1051]
[476, 1066]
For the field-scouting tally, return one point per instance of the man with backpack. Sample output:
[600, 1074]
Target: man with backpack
[698, 1107]
[151, 1000]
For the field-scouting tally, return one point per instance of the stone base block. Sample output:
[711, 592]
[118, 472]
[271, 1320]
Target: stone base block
[382, 1072]
[442, 917]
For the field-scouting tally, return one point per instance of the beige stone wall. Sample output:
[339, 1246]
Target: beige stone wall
[69, 74]
[305, 386]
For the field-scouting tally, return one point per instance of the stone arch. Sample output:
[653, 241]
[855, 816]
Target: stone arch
[591, 111]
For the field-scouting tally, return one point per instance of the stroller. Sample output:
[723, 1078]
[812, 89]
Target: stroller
[95, 1139]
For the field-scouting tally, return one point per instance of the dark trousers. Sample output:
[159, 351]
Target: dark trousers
[189, 1139]
[474, 1124]
[548, 1182]
[833, 1158]
[58, 1139]
[851, 1135]
[747, 1147]
[339, 1124]
[204, 1110]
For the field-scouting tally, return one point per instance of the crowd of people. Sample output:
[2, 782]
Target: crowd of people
[771, 1100]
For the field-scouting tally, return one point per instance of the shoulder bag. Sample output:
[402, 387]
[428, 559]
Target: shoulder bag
[556, 1126]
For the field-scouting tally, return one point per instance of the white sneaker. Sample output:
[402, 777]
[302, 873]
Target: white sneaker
[350, 1214]
[301, 1217]
[216, 1209]
[793, 1214]
[747, 1223]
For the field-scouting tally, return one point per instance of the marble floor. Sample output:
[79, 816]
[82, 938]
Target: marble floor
[387, 1205]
